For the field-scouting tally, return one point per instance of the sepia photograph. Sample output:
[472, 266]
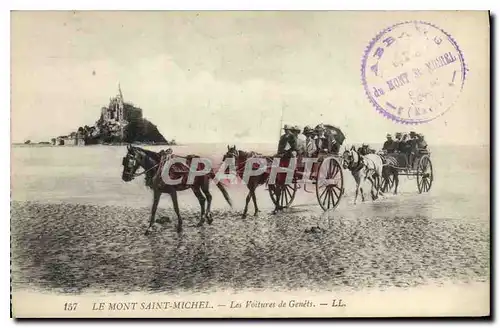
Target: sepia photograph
[250, 164]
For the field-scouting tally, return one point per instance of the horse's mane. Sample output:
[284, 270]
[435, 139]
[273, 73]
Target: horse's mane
[150, 153]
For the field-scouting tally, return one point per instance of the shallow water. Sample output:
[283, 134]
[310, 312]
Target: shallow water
[92, 175]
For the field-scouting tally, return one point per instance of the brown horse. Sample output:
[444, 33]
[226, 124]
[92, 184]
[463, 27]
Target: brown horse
[152, 163]
[241, 157]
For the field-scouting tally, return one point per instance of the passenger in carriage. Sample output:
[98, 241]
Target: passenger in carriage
[403, 144]
[299, 139]
[389, 145]
[287, 139]
[405, 147]
[397, 142]
[325, 140]
[320, 138]
[309, 146]
[421, 143]
[412, 146]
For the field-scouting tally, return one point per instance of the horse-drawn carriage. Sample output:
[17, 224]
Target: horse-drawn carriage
[325, 173]
[416, 163]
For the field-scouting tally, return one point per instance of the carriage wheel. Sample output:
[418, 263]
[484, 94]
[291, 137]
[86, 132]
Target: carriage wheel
[425, 174]
[329, 184]
[287, 194]
[388, 183]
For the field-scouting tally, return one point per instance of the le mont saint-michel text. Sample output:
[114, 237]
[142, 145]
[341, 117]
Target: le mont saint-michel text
[193, 305]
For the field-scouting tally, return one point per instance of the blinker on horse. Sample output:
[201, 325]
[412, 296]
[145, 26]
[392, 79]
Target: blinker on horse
[152, 164]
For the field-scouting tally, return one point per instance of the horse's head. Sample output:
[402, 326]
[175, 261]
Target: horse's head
[349, 157]
[232, 152]
[131, 163]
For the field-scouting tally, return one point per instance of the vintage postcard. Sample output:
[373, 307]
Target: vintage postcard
[256, 164]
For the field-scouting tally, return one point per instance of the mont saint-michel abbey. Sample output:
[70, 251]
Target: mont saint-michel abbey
[119, 113]
[119, 122]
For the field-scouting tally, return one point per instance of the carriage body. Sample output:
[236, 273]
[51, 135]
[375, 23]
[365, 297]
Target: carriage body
[325, 174]
[418, 165]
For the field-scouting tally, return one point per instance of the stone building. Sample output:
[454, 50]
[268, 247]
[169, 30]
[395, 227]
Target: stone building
[119, 114]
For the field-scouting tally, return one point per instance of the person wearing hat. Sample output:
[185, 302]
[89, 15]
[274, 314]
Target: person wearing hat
[287, 139]
[299, 139]
[389, 145]
[323, 140]
[309, 146]
[412, 147]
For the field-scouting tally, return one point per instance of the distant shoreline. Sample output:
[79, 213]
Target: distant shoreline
[17, 144]
[95, 145]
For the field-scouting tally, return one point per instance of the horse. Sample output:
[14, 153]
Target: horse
[152, 163]
[241, 157]
[367, 167]
[389, 169]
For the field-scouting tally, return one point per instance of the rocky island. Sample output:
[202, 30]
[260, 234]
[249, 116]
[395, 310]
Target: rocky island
[120, 122]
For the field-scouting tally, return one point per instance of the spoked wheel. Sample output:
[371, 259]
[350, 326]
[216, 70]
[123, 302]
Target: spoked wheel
[329, 184]
[424, 174]
[388, 183]
[286, 194]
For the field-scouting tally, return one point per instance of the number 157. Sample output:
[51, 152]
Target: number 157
[70, 306]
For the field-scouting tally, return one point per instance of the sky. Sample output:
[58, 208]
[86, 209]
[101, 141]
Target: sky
[225, 76]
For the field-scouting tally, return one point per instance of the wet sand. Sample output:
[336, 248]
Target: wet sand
[74, 248]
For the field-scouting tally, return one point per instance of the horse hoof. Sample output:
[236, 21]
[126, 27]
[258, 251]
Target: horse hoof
[179, 229]
[147, 232]
[243, 216]
[200, 224]
[256, 214]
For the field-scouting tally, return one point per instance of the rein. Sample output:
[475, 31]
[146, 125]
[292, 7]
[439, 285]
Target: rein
[135, 175]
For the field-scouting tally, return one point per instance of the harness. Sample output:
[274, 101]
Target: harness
[359, 165]
[135, 175]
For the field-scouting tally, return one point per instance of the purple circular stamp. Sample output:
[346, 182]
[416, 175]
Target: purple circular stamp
[413, 72]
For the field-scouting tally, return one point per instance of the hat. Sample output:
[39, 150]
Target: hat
[389, 135]
[319, 127]
[295, 128]
[364, 145]
[412, 133]
[287, 127]
[307, 129]
[398, 134]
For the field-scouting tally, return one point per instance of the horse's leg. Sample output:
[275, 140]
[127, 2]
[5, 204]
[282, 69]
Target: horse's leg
[277, 192]
[396, 183]
[278, 207]
[375, 185]
[361, 181]
[175, 202]
[379, 182]
[357, 180]
[201, 200]
[247, 200]
[206, 190]
[156, 200]
[254, 198]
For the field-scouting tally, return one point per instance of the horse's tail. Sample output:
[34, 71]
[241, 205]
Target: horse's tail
[224, 193]
[222, 189]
